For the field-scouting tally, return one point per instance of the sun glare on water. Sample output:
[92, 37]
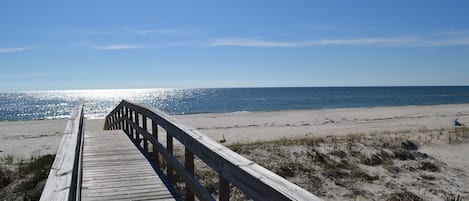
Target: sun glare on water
[98, 102]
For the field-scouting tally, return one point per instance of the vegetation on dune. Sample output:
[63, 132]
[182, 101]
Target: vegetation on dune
[368, 166]
[23, 179]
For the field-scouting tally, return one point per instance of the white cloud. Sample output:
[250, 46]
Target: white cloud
[448, 40]
[265, 43]
[119, 47]
[366, 41]
[14, 49]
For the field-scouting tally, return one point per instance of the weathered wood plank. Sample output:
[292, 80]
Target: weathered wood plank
[62, 181]
[122, 173]
[130, 197]
[119, 179]
[121, 193]
[110, 184]
[127, 175]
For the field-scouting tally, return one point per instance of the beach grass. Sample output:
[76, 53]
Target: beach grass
[350, 165]
[22, 179]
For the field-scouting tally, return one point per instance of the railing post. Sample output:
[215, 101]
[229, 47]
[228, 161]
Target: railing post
[154, 130]
[124, 120]
[106, 123]
[131, 118]
[145, 141]
[169, 147]
[224, 188]
[127, 118]
[137, 121]
[111, 120]
[114, 117]
[122, 116]
[119, 115]
[189, 165]
[114, 120]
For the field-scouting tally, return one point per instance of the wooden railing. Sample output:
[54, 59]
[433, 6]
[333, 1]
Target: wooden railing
[253, 180]
[64, 178]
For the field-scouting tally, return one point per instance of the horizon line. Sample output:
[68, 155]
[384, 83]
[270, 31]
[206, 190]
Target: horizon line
[235, 87]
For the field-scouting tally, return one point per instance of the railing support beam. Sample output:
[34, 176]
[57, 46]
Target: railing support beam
[169, 147]
[154, 129]
[144, 125]
[137, 135]
[189, 164]
[224, 188]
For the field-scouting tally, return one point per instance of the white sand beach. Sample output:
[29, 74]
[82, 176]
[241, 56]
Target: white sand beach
[254, 126]
[26, 138]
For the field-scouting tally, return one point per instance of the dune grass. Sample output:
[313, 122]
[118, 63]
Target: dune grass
[22, 179]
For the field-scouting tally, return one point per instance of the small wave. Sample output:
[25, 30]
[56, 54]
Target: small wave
[237, 112]
[95, 116]
[57, 117]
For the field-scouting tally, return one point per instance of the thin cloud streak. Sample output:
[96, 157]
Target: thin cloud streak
[365, 41]
[383, 42]
[447, 42]
[119, 47]
[11, 50]
[152, 31]
[251, 43]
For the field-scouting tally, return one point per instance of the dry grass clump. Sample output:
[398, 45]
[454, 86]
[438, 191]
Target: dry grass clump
[23, 179]
[404, 196]
[357, 166]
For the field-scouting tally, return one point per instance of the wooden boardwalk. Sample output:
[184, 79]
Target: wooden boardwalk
[114, 169]
[111, 165]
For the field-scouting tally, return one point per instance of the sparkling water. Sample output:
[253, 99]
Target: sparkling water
[58, 104]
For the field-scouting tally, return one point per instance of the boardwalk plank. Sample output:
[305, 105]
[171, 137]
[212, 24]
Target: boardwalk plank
[114, 169]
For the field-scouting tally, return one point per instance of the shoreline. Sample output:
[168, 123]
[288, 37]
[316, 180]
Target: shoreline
[259, 111]
[255, 126]
[32, 137]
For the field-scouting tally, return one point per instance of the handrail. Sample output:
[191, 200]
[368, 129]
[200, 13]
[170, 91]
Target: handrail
[254, 180]
[64, 178]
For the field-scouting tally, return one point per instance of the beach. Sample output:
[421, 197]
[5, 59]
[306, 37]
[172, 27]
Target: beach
[255, 126]
[325, 151]
[39, 137]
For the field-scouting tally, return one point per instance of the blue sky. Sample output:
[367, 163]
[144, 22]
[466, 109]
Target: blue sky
[153, 44]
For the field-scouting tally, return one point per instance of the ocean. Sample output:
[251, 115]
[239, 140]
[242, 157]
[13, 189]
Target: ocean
[33, 105]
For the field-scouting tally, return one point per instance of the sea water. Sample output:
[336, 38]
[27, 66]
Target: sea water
[57, 104]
